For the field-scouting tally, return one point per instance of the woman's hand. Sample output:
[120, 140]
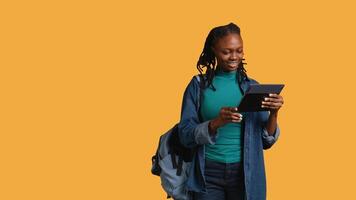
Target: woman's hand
[226, 115]
[274, 102]
[229, 114]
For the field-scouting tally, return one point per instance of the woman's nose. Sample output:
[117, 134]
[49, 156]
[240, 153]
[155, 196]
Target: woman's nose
[233, 56]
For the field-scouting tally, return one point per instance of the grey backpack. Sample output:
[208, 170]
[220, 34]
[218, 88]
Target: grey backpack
[171, 162]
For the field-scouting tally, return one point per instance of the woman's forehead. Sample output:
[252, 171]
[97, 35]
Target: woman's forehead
[229, 41]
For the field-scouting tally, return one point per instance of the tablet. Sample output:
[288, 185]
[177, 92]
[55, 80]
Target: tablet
[252, 100]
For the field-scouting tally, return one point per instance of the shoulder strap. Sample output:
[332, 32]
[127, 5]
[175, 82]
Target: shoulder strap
[197, 77]
[200, 79]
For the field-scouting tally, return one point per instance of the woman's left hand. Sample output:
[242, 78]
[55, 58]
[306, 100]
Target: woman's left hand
[274, 102]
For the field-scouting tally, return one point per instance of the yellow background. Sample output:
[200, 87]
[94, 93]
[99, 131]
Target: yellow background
[87, 87]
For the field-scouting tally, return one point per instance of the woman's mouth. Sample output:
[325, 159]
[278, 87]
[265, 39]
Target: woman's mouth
[234, 63]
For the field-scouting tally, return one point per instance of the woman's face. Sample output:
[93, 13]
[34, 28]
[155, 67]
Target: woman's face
[229, 52]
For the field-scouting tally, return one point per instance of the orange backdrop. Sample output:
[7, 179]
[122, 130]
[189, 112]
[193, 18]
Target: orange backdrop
[87, 87]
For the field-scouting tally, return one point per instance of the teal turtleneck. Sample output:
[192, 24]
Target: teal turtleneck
[228, 146]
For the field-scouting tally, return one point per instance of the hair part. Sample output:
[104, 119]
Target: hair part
[207, 58]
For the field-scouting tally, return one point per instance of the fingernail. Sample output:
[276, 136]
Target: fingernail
[270, 95]
[265, 99]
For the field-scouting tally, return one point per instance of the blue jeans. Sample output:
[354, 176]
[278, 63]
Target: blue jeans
[224, 181]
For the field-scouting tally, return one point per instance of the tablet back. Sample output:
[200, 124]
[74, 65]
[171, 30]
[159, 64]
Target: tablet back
[252, 100]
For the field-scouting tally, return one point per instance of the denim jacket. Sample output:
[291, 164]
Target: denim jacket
[194, 133]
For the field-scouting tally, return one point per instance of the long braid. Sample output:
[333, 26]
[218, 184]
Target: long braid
[207, 58]
[242, 71]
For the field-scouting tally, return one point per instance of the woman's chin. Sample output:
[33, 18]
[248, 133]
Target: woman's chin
[232, 67]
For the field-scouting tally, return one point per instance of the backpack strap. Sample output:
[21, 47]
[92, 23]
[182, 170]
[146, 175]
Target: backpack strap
[180, 166]
[200, 79]
[174, 160]
[197, 77]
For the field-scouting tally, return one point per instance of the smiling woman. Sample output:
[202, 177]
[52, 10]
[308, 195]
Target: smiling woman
[229, 162]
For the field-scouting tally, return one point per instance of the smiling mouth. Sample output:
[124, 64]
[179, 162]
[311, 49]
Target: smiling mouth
[232, 63]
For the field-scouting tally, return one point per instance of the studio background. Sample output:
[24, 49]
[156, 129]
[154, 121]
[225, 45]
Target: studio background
[87, 88]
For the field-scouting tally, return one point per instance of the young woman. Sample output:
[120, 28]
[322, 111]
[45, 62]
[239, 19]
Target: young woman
[229, 162]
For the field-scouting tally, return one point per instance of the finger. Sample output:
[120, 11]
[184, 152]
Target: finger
[227, 110]
[235, 117]
[227, 117]
[233, 109]
[266, 103]
[272, 104]
[230, 111]
[274, 95]
[239, 119]
[239, 115]
[236, 121]
[273, 99]
[271, 107]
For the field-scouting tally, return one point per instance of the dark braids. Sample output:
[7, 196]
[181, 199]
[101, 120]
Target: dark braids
[207, 58]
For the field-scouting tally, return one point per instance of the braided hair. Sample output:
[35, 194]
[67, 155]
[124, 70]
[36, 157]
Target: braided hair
[207, 57]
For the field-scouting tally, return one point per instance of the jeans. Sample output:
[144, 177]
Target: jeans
[224, 181]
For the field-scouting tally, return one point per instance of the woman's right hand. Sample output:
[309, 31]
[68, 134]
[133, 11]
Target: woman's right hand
[226, 115]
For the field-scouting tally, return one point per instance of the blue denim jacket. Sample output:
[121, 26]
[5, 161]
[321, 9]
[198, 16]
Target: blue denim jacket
[194, 133]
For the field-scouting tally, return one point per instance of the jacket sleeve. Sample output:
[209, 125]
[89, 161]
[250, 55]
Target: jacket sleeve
[267, 140]
[191, 131]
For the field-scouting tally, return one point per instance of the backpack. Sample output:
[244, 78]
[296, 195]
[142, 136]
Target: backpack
[172, 162]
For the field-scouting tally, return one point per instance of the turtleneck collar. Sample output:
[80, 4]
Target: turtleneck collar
[230, 74]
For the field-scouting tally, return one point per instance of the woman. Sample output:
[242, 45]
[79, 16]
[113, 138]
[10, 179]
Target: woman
[229, 162]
